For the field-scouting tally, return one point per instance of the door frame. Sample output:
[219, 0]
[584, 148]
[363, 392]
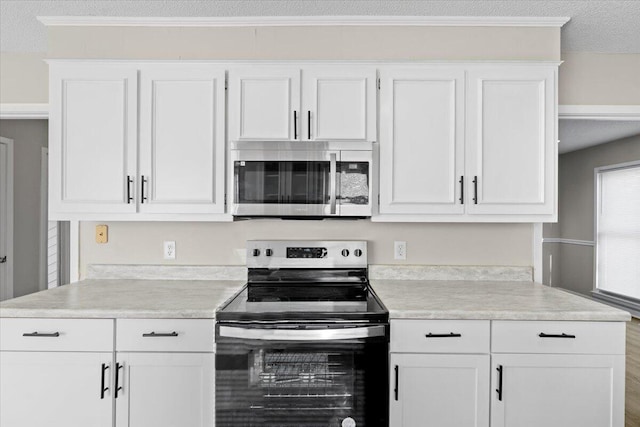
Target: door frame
[9, 292]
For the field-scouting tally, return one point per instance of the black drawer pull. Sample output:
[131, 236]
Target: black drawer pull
[154, 334]
[563, 335]
[38, 334]
[118, 388]
[499, 389]
[102, 387]
[449, 335]
[395, 390]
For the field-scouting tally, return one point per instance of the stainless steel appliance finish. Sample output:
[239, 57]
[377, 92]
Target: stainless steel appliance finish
[306, 342]
[297, 179]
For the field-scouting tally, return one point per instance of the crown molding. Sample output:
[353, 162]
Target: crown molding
[289, 21]
[24, 111]
[599, 112]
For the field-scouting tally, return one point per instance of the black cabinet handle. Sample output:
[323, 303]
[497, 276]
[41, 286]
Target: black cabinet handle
[449, 335]
[395, 390]
[475, 190]
[309, 124]
[118, 388]
[499, 389]
[143, 197]
[154, 334]
[295, 124]
[3, 259]
[129, 182]
[562, 335]
[38, 334]
[461, 190]
[102, 387]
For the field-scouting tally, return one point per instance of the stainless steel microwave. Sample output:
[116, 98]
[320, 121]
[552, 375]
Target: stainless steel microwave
[298, 179]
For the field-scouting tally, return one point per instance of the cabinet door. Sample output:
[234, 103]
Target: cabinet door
[166, 390]
[439, 390]
[511, 140]
[56, 389]
[264, 104]
[339, 103]
[92, 138]
[557, 391]
[182, 139]
[421, 140]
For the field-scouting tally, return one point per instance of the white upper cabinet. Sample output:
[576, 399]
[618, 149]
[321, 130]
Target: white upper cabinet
[314, 103]
[421, 140]
[92, 138]
[468, 142]
[182, 119]
[339, 103]
[511, 143]
[264, 104]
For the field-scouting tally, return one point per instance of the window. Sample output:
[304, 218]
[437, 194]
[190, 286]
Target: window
[618, 231]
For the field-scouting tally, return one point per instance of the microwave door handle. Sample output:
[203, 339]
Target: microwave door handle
[275, 334]
[333, 183]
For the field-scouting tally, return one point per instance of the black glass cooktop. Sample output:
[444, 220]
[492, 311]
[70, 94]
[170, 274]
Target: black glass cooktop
[367, 308]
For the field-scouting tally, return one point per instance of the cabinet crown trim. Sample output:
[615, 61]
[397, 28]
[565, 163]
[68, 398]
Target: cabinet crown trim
[283, 21]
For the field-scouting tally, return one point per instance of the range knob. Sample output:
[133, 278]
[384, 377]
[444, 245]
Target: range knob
[345, 252]
[256, 252]
[268, 252]
[358, 252]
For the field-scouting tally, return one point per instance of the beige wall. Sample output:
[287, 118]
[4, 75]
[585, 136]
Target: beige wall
[573, 264]
[24, 78]
[599, 79]
[224, 243]
[29, 137]
[311, 42]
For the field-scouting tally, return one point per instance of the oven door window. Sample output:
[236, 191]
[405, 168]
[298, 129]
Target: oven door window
[301, 384]
[282, 182]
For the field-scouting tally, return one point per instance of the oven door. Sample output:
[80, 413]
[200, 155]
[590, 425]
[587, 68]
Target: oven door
[321, 377]
[301, 183]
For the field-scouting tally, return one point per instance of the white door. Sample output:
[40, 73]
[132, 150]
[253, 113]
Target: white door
[92, 139]
[439, 390]
[6, 218]
[422, 141]
[55, 389]
[339, 103]
[264, 104]
[166, 390]
[182, 139]
[557, 391]
[512, 150]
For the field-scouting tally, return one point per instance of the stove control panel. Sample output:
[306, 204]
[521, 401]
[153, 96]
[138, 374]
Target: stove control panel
[306, 254]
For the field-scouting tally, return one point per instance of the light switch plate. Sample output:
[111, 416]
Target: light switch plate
[102, 234]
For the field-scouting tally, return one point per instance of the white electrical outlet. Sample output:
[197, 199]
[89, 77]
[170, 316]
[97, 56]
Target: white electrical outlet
[399, 250]
[169, 250]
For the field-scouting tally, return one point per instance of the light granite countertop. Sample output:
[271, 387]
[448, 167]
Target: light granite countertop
[99, 298]
[405, 299]
[492, 300]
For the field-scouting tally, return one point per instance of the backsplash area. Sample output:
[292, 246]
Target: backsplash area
[223, 244]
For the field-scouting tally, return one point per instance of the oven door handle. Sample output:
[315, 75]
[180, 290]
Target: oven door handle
[302, 334]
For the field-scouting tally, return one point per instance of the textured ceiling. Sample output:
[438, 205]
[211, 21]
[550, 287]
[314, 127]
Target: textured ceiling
[595, 26]
[578, 134]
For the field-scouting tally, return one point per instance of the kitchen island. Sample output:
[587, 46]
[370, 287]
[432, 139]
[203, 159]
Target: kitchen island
[481, 353]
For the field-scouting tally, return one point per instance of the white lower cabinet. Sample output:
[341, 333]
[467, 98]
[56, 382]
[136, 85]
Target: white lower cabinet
[552, 390]
[439, 390]
[55, 389]
[538, 373]
[165, 390]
